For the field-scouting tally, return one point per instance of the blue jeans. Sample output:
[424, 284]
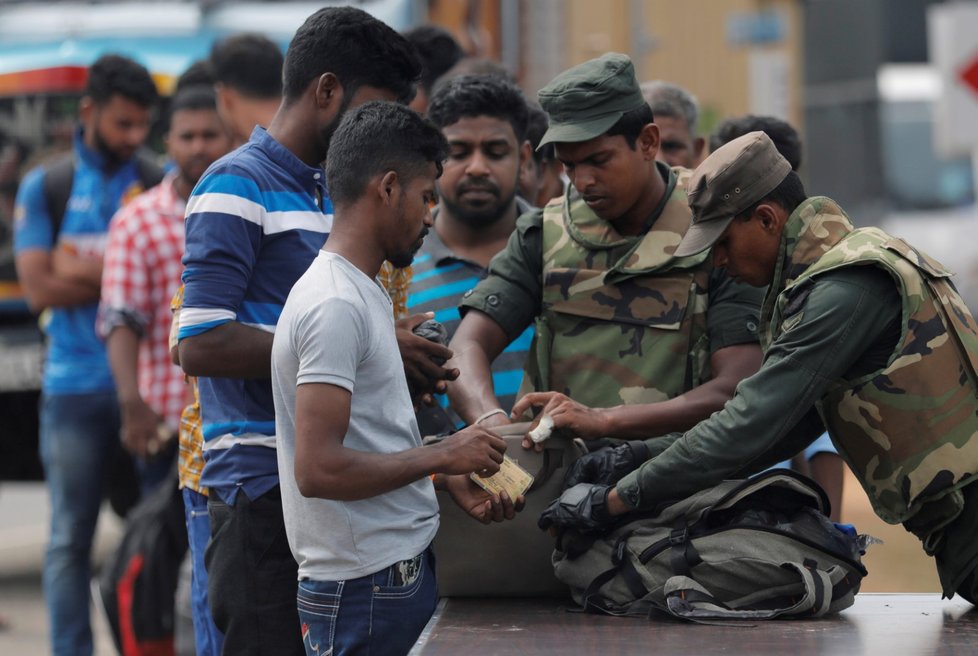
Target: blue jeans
[79, 435]
[207, 638]
[381, 613]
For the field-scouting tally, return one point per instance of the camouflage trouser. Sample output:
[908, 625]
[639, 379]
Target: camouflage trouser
[957, 558]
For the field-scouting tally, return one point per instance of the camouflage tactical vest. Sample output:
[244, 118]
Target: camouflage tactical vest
[622, 320]
[908, 431]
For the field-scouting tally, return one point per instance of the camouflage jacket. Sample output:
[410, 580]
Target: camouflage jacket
[622, 321]
[908, 431]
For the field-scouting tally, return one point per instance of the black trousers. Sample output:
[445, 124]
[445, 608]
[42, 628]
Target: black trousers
[252, 576]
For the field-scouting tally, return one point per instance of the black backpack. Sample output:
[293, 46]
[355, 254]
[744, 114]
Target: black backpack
[137, 586]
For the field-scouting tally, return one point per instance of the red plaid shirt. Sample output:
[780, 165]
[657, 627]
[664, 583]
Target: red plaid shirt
[141, 273]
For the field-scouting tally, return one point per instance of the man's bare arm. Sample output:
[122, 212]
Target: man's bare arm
[326, 469]
[44, 288]
[139, 430]
[477, 342]
[231, 350]
[730, 365]
[82, 269]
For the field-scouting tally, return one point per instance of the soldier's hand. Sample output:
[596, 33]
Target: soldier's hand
[608, 465]
[583, 508]
[568, 415]
[480, 504]
[472, 449]
[423, 359]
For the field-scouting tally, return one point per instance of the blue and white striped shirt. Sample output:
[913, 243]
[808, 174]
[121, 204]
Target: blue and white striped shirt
[255, 223]
[439, 281]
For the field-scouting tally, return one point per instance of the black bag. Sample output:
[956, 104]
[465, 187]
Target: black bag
[753, 549]
[138, 585]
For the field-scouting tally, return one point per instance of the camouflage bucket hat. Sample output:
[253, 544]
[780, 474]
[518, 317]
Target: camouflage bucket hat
[584, 102]
[728, 182]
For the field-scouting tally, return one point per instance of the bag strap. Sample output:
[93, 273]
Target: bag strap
[59, 178]
[689, 600]
[56, 186]
[149, 171]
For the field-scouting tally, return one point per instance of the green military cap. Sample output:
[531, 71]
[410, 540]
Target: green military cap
[585, 101]
[734, 177]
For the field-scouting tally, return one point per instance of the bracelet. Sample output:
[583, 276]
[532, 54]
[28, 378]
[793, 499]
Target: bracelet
[486, 415]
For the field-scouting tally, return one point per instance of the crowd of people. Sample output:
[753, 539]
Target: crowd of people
[250, 309]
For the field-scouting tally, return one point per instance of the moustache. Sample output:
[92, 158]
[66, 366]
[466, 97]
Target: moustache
[478, 186]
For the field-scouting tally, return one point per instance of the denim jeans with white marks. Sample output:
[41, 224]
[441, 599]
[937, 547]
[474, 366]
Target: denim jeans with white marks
[379, 614]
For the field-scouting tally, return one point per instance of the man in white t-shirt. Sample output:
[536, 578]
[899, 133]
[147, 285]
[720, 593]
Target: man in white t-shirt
[357, 493]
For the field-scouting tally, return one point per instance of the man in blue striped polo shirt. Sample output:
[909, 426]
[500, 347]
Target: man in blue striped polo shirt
[255, 222]
[484, 119]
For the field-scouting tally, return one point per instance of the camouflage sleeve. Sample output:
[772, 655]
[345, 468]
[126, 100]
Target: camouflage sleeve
[846, 315]
[511, 293]
[734, 312]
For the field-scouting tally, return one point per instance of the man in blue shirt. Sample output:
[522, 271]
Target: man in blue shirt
[255, 222]
[484, 118]
[59, 263]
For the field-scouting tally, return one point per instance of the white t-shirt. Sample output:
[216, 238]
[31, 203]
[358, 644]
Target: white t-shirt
[337, 327]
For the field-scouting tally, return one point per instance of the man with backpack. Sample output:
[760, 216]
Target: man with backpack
[61, 219]
[858, 326]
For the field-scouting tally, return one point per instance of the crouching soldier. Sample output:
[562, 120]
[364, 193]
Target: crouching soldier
[857, 325]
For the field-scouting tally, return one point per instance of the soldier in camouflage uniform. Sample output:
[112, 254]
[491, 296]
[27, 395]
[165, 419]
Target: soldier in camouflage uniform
[858, 326]
[653, 342]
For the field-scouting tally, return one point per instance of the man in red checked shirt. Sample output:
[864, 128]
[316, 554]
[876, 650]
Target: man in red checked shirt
[142, 273]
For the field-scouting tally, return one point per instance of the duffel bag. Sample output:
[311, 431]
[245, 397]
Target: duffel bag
[747, 549]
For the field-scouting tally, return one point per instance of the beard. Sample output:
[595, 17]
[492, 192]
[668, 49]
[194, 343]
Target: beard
[113, 158]
[327, 132]
[478, 216]
[404, 258]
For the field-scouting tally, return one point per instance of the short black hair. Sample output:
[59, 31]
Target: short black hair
[356, 47]
[631, 124]
[537, 123]
[198, 96]
[377, 137]
[198, 73]
[479, 95]
[474, 66]
[789, 194]
[785, 137]
[113, 75]
[195, 97]
[438, 50]
[251, 64]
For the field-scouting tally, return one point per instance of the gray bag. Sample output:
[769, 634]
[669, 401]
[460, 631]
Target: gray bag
[512, 558]
[753, 549]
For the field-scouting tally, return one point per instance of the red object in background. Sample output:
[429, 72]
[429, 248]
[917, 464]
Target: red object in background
[59, 79]
[969, 75]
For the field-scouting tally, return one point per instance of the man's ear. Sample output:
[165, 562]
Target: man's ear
[328, 91]
[771, 217]
[526, 153]
[699, 148]
[86, 109]
[648, 141]
[389, 188]
[526, 170]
